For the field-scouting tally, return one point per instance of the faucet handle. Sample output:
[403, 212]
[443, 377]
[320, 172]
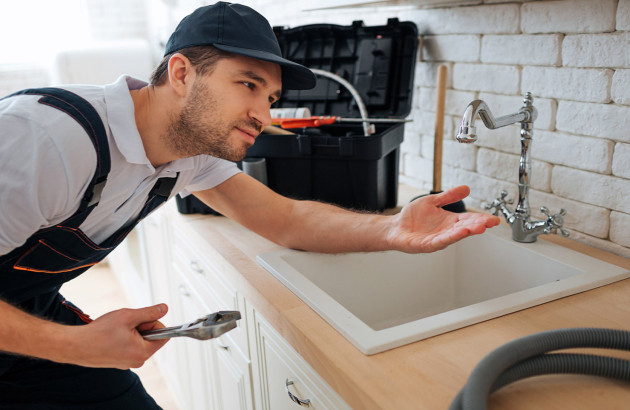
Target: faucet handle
[503, 194]
[555, 221]
[496, 204]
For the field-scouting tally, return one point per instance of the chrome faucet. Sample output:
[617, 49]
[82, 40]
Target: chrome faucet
[523, 229]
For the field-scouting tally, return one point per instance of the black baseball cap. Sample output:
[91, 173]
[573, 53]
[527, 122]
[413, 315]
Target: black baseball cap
[238, 29]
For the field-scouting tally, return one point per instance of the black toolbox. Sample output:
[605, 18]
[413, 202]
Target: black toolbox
[337, 163]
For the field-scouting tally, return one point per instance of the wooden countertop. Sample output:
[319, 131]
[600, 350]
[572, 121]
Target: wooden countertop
[429, 373]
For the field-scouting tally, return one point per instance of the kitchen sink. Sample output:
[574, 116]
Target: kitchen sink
[382, 300]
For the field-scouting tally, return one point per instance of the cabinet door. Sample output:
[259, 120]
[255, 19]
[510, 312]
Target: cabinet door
[233, 376]
[129, 262]
[284, 380]
[207, 274]
[230, 369]
[197, 385]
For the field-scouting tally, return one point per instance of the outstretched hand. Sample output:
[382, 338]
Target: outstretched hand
[423, 226]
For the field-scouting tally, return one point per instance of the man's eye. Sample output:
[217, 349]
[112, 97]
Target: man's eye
[249, 85]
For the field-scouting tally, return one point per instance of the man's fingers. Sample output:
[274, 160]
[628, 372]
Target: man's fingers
[150, 326]
[452, 195]
[149, 314]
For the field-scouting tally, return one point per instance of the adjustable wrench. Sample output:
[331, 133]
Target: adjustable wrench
[207, 327]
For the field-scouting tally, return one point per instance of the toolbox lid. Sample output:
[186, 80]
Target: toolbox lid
[378, 61]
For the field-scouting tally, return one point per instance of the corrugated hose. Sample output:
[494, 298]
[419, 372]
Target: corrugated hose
[530, 356]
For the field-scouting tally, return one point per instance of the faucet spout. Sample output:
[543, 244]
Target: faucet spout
[468, 133]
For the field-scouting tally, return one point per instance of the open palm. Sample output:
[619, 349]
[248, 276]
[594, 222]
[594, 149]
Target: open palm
[423, 226]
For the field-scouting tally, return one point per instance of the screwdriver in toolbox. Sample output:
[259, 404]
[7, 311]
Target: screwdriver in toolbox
[316, 121]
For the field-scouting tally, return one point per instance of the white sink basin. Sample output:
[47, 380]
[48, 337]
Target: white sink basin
[383, 300]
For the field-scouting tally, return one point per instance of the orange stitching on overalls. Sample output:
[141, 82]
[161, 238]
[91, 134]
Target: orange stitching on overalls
[55, 250]
[24, 268]
[84, 317]
[79, 234]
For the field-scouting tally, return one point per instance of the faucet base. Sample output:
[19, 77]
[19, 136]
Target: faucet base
[526, 231]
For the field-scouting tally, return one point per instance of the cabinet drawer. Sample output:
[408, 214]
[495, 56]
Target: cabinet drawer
[211, 285]
[232, 372]
[285, 380]
[219, 370]
[193, 357]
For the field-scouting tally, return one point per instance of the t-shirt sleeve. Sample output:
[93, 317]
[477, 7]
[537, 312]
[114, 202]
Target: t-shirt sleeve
[33, 185]
[39, 180]
[212, 172]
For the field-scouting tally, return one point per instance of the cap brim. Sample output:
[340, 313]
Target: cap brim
[294, 76]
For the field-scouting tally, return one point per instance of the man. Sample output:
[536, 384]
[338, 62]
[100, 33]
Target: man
[72, 188]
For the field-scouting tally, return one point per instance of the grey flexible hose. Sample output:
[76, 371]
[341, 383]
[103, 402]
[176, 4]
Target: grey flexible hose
[558, 363]
[525, 357]
[566, 363]
[353, 91]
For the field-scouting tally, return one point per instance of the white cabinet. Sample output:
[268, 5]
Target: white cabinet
[284, 380]
[226, 373]
[130, 263]
[193, 358]
[250, 367]
[232, 374]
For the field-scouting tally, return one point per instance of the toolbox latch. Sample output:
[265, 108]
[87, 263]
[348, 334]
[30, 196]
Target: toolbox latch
[392, 22]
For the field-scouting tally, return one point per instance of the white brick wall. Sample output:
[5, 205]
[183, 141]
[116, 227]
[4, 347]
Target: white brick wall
[621, 161]
[602, 190]
[589, 154]
[620, 225]
[620, 89]
[463, 48]
[533, 49]
[577, 84]
[623, 15]
[568, 16]
[501, 79]
[596, 50]
[502, 18]
[606, 121]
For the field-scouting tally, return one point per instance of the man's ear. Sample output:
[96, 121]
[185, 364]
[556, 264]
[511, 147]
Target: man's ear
[181, 73]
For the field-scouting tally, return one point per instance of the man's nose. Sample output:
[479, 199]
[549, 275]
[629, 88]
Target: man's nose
[261, 114]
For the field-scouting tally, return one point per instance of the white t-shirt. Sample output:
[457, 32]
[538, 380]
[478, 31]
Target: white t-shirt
[47, 161]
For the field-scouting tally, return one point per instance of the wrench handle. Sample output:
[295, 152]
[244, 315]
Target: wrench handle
[160, 334]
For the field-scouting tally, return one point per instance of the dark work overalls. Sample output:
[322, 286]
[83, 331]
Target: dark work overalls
[31, 276]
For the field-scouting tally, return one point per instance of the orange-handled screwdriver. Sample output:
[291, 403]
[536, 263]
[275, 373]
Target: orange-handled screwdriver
[316, 121]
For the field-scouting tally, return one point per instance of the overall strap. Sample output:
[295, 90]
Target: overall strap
[159, 194]
[85, 114]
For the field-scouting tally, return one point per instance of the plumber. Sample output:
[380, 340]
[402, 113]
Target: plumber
[81, 166]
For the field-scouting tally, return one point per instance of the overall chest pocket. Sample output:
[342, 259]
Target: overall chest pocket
[62, 250]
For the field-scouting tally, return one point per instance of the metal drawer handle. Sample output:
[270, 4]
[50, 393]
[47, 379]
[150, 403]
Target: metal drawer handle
[194, 265]
[294, 398]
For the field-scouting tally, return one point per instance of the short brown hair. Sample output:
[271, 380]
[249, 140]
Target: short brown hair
[203, 59]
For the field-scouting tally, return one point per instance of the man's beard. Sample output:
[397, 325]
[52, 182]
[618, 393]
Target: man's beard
[198, 132]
